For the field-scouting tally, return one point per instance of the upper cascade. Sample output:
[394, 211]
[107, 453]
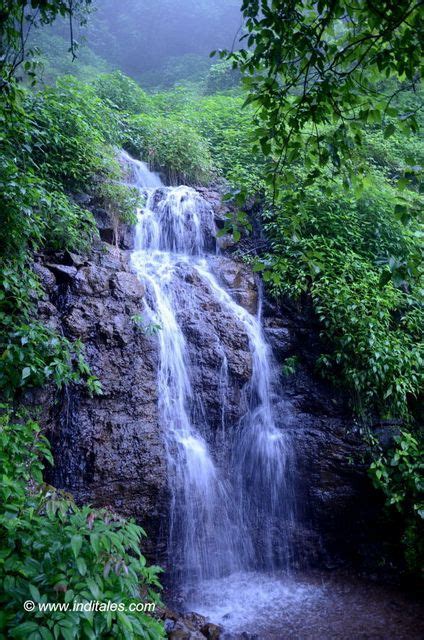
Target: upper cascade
[175, 220]
[172, 219]
[138, 173]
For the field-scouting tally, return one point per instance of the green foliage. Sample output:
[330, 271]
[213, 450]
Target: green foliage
[170, 146]
[376, 354]
[120, 201]
[222, 76]
[34, 208]
[225, 127]
[149, 328]
[17, 21]
[58, 140]
[338, 246]
[237, 222]
[51, 52]
[399, 473]
[74, 127]
[308, 65]
[290, 365]
[53, 551]
[123, 93]
[31, 353]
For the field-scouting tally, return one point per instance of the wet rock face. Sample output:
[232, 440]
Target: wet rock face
[238, 278]
[220, 211]
[122, 234]
[218, 350]
[214, 198]
[337, 507]
[108, 449]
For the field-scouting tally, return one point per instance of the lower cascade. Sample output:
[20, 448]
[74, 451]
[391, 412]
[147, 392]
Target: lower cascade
[232, 490]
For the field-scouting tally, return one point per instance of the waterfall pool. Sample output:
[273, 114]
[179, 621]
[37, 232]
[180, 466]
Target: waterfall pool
[309, 606]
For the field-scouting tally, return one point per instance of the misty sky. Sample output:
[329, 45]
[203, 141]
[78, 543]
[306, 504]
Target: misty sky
[140, 35]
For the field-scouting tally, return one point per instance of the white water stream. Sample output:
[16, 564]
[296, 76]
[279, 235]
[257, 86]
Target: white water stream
[223, 517]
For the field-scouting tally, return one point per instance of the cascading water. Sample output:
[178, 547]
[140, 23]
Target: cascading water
[261, 453]
[231, 515]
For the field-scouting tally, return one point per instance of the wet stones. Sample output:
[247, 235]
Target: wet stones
[211, 631]
[189, 626]
[239, 279]
[126, 285]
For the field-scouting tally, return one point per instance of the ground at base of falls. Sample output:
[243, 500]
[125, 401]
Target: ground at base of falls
[313, 606]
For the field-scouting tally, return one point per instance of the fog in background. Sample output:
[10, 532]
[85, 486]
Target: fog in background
[157, 42]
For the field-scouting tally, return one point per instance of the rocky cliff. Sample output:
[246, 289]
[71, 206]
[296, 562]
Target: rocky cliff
[109, 449]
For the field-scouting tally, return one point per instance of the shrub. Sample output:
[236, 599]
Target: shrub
[227, 128]
[399, 473]
[35, 211]
[122, 93]
[222, 76]
[61, 140]
[357, 261]
[72, 128]
[170, 146]
[53, 551]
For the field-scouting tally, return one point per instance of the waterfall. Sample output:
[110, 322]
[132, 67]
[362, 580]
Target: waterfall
[261, 452]
[231, 512]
